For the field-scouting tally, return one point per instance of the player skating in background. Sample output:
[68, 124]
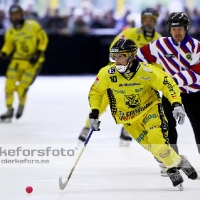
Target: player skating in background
[179, 56]
[26, 43]
[133, 93]
[141, 35]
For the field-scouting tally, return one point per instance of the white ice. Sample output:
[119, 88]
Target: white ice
[55, 113]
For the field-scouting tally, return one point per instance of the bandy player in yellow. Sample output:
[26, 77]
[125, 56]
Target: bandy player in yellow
[133, 93]
[26, 41]
[141, 35]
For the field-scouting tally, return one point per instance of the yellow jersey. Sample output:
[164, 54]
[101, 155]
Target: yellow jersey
[132, 95]
[24, 42]
[137, 35]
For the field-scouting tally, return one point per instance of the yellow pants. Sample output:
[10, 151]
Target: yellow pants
[20, 75]
[104, 105]
[150, 131]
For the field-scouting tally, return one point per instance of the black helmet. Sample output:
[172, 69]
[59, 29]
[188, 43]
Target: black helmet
[19, 22]
[15, 9]
[126, 47]
[150, 12]
[177, 19]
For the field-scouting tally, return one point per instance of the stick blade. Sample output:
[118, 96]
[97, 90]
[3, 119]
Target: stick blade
[61, 184]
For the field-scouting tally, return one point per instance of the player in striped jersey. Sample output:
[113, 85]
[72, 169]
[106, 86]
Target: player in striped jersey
[179, 56]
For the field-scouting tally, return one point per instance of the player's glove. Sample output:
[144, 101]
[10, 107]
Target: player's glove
[94, 121]
[178, 113]
[2, 56]
[33, 60]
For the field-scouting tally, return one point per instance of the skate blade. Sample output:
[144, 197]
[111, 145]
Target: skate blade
[163, 172]
[8, 120]
[180, 187]
[164, 175]
[124, 143]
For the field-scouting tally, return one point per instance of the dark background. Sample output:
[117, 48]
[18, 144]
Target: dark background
[70, 55]
[73, 55]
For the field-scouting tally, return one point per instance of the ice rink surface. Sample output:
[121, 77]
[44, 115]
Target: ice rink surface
[55, 113]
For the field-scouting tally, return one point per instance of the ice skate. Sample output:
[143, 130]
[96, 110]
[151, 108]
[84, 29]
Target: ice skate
[19, 111]
[125, 138]
[187, 168]
[7, 117]
[175, 177]
[83, 135]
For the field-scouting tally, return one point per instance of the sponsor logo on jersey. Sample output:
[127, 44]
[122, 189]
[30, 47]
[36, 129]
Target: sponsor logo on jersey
[121, 113]
[152, 127]
[149, 117]
[141, 136]
[164, 126]
[138, 110]
[145, 78]
[111, 70]
[125, 118]
[119, 91]
[168, 55]
[19, 34]
[188, 56]
[129, 84]
[169, 86]
[28, 37]
[146, 69]
[131, 114]
[138, 90]
[132, 100]
[96, 80]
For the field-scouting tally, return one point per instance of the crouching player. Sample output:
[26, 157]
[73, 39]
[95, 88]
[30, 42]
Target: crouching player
[133, 92]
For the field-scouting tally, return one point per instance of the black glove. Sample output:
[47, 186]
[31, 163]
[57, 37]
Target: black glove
[35, 57]
[2, 56]
[178, 113]
[94, 121]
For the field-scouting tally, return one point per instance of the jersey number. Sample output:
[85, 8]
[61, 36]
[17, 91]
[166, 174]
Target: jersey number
[138, 38]
[113, 78]
[24, 47]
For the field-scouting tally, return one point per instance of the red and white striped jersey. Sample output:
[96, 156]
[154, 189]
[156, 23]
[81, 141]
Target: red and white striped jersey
[180, 60]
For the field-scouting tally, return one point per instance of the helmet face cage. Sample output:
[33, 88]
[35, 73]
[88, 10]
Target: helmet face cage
[126, 47]
[178, 19]
[129, 55]
[149, 12]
